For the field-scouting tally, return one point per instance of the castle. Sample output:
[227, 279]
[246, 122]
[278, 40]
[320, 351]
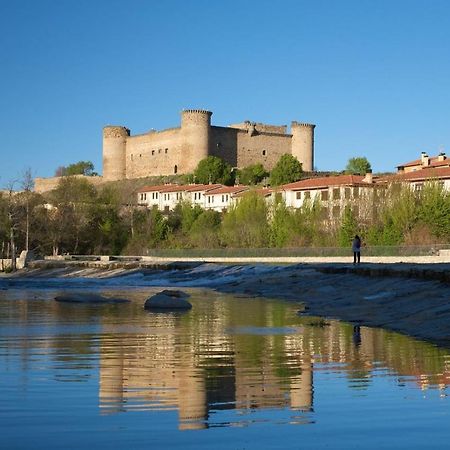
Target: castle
[179, 150]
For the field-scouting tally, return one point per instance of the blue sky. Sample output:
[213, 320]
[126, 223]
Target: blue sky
[373, 75]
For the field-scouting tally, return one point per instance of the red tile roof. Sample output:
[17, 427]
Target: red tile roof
[201, 187]
[158, 188]
[264, 192]
[325, 182]
[228, 190]
[429, 173]
[432, 160]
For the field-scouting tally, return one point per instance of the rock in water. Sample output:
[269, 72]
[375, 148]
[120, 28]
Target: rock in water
[88, 298]
[168, 299]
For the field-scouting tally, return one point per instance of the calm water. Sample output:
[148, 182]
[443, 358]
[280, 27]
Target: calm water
[231, 373]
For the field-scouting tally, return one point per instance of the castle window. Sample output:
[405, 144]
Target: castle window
[153, 152]
[175, 168]
[131, 157]
[159, 150]
[264, 153]
[140, 155]
[166, 150]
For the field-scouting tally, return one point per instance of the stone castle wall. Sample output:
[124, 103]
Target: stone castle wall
[48, 184]
[179, 150]
[155, 153]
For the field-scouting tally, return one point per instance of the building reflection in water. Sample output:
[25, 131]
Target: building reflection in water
[246, 356]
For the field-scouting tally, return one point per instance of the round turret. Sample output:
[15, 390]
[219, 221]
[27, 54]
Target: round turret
[196, 132]
[303, 144]
[114, 152]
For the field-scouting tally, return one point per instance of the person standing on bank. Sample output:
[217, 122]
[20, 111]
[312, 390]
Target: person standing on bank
[356, 248]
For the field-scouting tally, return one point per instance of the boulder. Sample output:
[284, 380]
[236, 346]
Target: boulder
[88, 298]
[168, 299]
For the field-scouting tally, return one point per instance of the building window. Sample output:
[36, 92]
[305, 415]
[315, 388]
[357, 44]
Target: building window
[166, 150]
[306, 195]
[145, 196]
[175, 169]
[153, 152]
[264, 153]
[156, 195]
[223, 198]
[159, 150]
[355, 192]
[347, 193]
[226, 198]
[298, 195]
[336, 194]
[140, 155]
[336, 211]
[418, 187]
[324, 196]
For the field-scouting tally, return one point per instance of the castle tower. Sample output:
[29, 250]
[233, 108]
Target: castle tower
[114, 154]
[196, 132]
[303, 144]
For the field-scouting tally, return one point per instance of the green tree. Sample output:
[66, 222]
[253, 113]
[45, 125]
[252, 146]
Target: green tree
[358, 165]
[213, 170]
[204, 230]
[252, 175]
[282, 225]
[79, 168]
[287, 170]
[434, 209]
[348, 228]
[245, 225]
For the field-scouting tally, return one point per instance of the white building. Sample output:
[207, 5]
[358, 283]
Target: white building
[222, 198]
[333, 193]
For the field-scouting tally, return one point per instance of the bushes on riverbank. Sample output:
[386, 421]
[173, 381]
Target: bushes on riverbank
[78, 218]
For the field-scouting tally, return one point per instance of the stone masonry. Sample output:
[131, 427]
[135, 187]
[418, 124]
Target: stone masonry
[178, 150]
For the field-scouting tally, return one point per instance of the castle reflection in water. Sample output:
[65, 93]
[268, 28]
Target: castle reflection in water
[247, 355]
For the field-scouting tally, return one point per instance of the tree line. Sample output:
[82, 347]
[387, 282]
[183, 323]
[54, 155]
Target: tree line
[79, 218]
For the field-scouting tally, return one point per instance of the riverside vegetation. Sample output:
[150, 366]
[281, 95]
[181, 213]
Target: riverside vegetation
[79, 218]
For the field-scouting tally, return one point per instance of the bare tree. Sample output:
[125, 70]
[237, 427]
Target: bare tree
[27, 184]
[12, 223]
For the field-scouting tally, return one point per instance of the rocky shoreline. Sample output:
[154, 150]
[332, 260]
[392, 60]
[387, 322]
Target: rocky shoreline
[413, 299]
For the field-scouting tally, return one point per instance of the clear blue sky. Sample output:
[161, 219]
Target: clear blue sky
[373, 75]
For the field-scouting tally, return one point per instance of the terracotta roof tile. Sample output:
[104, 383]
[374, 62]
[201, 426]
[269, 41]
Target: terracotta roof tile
[324, 182]
[429, 173]
[228, 190]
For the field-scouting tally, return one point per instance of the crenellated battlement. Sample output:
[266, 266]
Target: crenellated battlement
[179, 150]
[197, 111]
[302, 124]
[115, 131]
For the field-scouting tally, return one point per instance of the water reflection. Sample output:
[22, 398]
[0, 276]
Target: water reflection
[247, 357]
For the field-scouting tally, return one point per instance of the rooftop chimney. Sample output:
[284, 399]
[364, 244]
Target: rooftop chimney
[368, 177]
[442, 156]
[425, 159]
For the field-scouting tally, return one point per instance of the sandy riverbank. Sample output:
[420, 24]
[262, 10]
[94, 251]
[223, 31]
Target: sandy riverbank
[408, 298]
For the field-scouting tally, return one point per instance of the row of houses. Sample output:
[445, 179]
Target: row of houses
[333, 192]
